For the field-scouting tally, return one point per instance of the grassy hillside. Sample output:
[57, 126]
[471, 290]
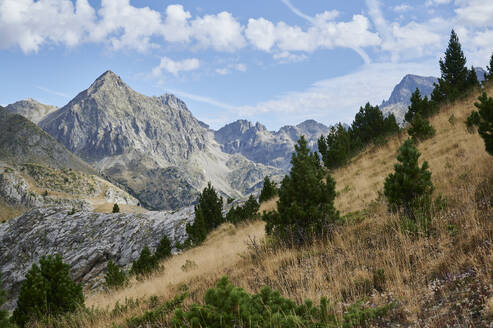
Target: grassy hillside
[437, 280]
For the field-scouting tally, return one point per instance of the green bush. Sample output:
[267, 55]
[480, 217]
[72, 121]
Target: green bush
[409, 188]
[420, 129]
[247, 211]
[306, 200]
[47, 290]
[230, 306]
[116, 209]
[145, 265]
[115, 277]
[269, 190]
[156, 315]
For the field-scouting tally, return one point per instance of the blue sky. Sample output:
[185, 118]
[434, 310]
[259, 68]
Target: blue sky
[277, 61]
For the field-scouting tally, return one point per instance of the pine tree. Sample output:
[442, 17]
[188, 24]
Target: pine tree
[115, 277]
[409, 184]
[418, 105]
[47, 290]
[269, 190]
[489, 74]
[453, 80]
[116, 208]
[4, 315]
[472, 79]
[306, 202]
[485, 109]
[420, 129]
[247, 211]
[164, 248]
[208, 216]
[145, 264]
[336, 147]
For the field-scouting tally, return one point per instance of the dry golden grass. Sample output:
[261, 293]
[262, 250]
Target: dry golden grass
[343, 267]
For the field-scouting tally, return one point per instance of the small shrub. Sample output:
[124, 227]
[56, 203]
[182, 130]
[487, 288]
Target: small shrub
[72, 211]
[247, 211]
[116, 208]
[189, 266]
[145, 265]
[230, 306]
[115, 277]
[157, 315]
[379, 280]
[47, 290]
[452, 119]
[485, 109]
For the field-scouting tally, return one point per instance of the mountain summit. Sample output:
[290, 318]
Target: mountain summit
[152, 145]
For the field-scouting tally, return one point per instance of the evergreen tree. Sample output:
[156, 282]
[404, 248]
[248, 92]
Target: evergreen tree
[248, 211]
[164, 248]
[420, 129]
[306, 202]
[145, 264]
[116, 208]
[472, 79]
[418, 105]
[269, 190]
[4, 315]
[336, 147]
[115, 277]
[485, 109]
[454, 75]
[208, 216]
[47, 290]
[489, 74]
[409, 184]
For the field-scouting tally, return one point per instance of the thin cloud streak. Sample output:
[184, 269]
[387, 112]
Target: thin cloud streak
[53, 92]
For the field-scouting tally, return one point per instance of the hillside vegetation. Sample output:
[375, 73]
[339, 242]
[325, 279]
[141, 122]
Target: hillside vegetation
[441, 279]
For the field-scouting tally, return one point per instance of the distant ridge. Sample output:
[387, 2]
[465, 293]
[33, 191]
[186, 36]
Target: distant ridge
[31, 109]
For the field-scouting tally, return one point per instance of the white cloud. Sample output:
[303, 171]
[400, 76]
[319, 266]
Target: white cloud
[325, 33]
[221, 32]
[402, 8]
[175, 67]
[475, 12]
[176, 27]
[29, 24]
[430, 3]
[230, 68]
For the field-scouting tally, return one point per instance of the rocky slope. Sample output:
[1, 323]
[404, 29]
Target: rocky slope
[34, 185]
[86, 241]
[272, 148]
[21, 141]
[152, 145]
[31, 109]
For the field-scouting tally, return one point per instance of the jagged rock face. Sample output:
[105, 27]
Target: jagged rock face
[86, 241]
[258, 144]
[21, 141]
[31, 109]
[152, 145]
[109, 119]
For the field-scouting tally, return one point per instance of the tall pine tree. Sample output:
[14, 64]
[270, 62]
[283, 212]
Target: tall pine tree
[489, 74]
[306, 200]
[269, 190]
[453, 81]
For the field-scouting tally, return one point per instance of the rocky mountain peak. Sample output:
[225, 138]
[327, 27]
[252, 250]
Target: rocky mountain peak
[31, 109]
[173, 102]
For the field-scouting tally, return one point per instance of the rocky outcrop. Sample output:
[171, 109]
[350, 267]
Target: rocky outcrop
[86, 241]
[259, 145]
[31, 109]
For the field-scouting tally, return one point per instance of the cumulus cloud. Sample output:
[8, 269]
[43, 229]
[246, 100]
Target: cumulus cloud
[230, 68]
[323, 33]
[29, 24]
[175, 67]
[475, 12]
